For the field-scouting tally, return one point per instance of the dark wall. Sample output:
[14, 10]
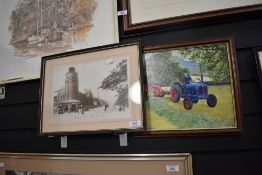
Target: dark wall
[216, 155]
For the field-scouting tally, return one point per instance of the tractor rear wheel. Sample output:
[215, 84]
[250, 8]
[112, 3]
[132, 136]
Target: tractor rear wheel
[175, 92]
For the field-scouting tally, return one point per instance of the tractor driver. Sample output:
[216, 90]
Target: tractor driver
[187, 79]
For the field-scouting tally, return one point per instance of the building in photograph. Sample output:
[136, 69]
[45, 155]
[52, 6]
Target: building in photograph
[70, 99]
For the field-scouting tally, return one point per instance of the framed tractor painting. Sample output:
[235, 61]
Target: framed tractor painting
[192, 89]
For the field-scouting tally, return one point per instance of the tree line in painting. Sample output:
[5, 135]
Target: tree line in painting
[164, 68]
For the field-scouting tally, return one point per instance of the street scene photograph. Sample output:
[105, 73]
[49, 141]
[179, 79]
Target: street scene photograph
[91, 90]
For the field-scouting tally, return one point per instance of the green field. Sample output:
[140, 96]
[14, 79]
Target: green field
[163, 114]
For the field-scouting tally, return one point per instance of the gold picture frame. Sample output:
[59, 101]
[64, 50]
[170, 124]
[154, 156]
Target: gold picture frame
[92, 90]
[82, 164]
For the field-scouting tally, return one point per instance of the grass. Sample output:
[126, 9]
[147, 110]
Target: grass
[163, 114]
[197, 78]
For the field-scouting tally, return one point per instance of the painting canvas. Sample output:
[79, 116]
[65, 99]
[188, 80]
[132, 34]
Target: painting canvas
[91, 90]
[35, 28]
[191, 88]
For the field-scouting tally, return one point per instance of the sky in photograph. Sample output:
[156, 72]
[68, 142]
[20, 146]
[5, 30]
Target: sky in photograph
[90, 75]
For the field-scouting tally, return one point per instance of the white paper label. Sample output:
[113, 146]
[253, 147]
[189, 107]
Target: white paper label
[64, 142]
[123, 139]
[122, 13]
[172, 168]
[2, 164]
[135, 123]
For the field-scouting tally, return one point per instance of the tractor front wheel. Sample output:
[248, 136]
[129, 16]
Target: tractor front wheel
[187, 102]
[211, 100]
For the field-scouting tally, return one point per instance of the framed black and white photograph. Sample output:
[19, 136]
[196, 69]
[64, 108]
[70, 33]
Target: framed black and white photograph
[92, 90]
[258, 57]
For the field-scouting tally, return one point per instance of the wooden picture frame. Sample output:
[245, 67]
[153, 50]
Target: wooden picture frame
[192, 89]
[82, 164]
[92, 90]
[148, 14]
[258, 57]
[32, 30]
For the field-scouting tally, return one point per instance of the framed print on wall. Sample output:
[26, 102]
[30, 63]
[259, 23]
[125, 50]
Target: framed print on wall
[258, 57]
[83, 164]
[92, 90]
[31, 29]
[145, 14]
[192, 89]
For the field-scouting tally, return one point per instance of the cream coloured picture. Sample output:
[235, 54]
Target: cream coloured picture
[35, 28]
[151, 10]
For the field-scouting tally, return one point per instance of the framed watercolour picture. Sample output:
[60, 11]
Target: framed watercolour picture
[83, 164]
[92, 90]
[192, 88]
[258, 57]
[31, 29]
[145, 14]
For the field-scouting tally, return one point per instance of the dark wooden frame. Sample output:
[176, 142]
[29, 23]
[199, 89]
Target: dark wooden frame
[259, 64]
[185, 19]
[135, 69]
[238, 130]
